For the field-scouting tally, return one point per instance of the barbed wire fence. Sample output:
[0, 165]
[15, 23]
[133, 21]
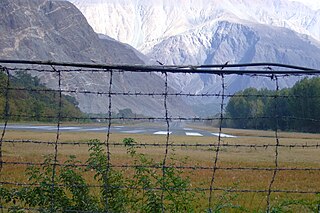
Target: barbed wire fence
[271, 71]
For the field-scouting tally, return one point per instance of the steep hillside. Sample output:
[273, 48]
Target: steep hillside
[236, 43]
[57, 31]
[213, 32]
[32, 105]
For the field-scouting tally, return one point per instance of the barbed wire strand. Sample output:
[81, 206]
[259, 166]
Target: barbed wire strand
[182, 145]
[6, 112]
[107, 142]
[276, 158]
[161, 94]
[167, 142]
[55, 160]
[157, 166]
[217, 151]
[217, 69]
[195, 189]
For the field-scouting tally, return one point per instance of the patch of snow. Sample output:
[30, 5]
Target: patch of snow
[193, 134]
[133, 131]
[162, 133]
[224, 135]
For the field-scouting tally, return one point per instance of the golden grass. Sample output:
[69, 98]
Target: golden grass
[230, 157]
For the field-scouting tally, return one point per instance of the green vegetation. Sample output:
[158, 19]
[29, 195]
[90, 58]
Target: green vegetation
[297, 108]
[138, 192]
[32, 104]
[296, 205]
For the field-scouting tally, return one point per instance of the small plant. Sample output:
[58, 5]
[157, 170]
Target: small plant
[225, 203]
[69, 191]
[294, 205]
[149, 183]
[114, 197]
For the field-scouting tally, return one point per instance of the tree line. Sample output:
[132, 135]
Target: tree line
[289, 109]
[28, 100]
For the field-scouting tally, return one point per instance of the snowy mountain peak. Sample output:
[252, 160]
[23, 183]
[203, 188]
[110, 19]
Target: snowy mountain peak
[145, 23]
[213, 32]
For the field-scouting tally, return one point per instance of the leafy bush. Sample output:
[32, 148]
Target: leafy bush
[177, 197]
[69, 191]
[113, 196]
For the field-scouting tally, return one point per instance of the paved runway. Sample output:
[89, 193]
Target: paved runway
[174, 130]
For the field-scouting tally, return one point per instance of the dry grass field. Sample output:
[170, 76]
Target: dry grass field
[240, 168]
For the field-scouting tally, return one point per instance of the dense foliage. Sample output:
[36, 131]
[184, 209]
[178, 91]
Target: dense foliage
[294, 109]
[29, 101]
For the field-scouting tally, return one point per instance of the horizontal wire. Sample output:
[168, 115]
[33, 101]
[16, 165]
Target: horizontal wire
[43, 209]
[196, 189]
[98, 93]
[209, 145]
[194, 119]
[156, 166]
[257, 73]
[210, 69]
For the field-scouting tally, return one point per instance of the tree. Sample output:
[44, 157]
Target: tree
[304, 104]
[295, 108]
[29, 100]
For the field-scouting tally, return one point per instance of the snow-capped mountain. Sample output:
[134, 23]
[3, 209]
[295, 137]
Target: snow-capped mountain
[213, 32]
[209, 31]
[145, 23]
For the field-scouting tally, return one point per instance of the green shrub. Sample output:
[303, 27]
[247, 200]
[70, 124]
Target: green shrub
[69, 191]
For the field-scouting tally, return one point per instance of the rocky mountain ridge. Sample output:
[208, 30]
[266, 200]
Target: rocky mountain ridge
[57, 31]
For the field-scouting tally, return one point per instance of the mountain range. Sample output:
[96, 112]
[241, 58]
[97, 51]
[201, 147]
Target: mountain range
[57, 31]
[144, 24]
[195, 32]
[179, 32]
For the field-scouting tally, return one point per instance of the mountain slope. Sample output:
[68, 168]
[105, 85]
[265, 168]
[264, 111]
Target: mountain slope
[46, 29]
[144, 23]
[213, 32]
[31, 105]
[57, 31]
[236, 43]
